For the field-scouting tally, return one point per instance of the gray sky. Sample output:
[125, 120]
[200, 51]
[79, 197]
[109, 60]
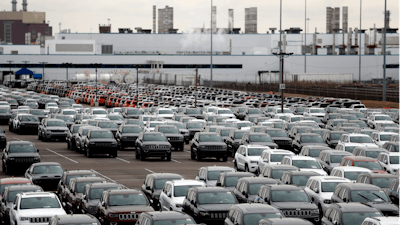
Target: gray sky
[82, 15]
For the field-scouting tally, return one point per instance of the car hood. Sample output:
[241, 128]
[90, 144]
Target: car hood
[270, 144]
[173, 135]
[245, 128]
[294, 205]
[213, 143]
[281, 138]
[33, 154]
[254, 158]
[314, 144]
[215, 207]
[47, 175]
[46, 212]
[179, 200]
[57, 128]
[130, 208]
[211, 183]
[320, 171]
[326, 195]
[94, 202]
[130, 135]
[382, 206]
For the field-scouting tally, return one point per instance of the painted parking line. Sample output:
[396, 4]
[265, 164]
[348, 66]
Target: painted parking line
[17, 139]
[123, 160]
[61, 155]
[149, 170]
[104, 176]
[175, 161]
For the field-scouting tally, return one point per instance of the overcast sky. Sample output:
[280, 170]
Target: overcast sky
[83, 15]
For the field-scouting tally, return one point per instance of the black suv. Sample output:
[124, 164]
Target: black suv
[298, 178]
[100, 142]
[348, 213]
[8, 197]
[291, 200]
[153, 185]
[73, 219]
[279, 136]
[258, 139]
[366, 194]
[156, 218]
[208, 204]
[127, 134]
[91, 196]
[3, 139]
[208, 145]
[229, 180]
[45, 174]
[152, 144]
[19, 155]
[63, 185]
[233, 141]
[244, 214]
[71, 136]
[174, 137]
[26, 123]
[247, 188]
[276, 171]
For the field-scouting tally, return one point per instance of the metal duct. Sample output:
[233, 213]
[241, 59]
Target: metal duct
[25, 5]
[349, 39]
[14, 5]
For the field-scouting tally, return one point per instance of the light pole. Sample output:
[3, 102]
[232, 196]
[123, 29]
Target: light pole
[10, 61]
[43, 64]
[211, 54]
[359, 48]
[25, 62]
[66, 65]
[305, 36]
[96, 65]
[384, 58]
[137, 87]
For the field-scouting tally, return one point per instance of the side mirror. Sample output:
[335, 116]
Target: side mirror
[345, 200]
[202, 178]
[15, 207]
[243, 193]
[315, 190]
[84, 197]
[169, 194]
[37, 150]
[64, 205]
[103, 204]
[385, 161]
[148, 188]
[218, 184]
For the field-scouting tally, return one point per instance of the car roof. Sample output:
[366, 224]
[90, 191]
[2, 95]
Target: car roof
[360, 158]
[84, 179]
[281, 166]
[25, 188]
[19, 142]
[256, 208]
[124, 191]
[76, 218]
[13, 180]
[299, 157]
[218, 168]
[235, 174]
[383, 175]
[297, 173]
[165, 175]
[165, 215]
[285, 187]
[46, 164]
[330, 178]
[186, 182]
[107, 184]
[211, 189]
[352, 168]
[73, 172]
[337, 152]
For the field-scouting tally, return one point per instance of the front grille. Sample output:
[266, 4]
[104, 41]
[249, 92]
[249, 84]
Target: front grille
[132, 216]
[39, 219]
[24, 160]
[282, 142]
[57, 131]
[213, 147]
[173, 138]
[103, 144]
[158, 146]
[296, 213]
[30, 125]
[218, 215]
[131, 138]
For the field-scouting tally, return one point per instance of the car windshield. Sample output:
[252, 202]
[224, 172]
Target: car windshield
[385, 137]
[336, 136]
[95, 193]
[154, 137]
[239, 135]
[101, 134]
[134, 112]
[69, 112]
[373, 154]
[108, 125]
[306, 164]
[329, 186]
[240, 125]
[165, 112]
[56, 124]
[353, 175]
[136, 122]
[12, 194]
[37, 112]
[255, 151]
[169, 130]
[382, 182]
[315, 152]
[99, 112]
[225, 133]
[127, 199]
[301, 180]
[29, 118]
[311, 139]
[255, 111]
[260, 138]
[154, 124]
[336, 158]
[115, 117]
[383, 118]
[81, 185]
[277, 157]
[178, 125]
[357, 218]
[277, 133]
[394, 159]
[254, 218]
[69, 177]
[85, 117]
[4, 110]
[65, 118]
[372, 165]
[216, 198]
[159, 184]
[192, 111]
[232, 181]
[213, 175]
[317, 111]
[368, 196]
[131, 130]
[39, 203]
[350, 149]
[181, 191]
[361, 139]
[47, 169]
[3, 186]
[22, 148]
[276, 174]
[289, 196]
[210, 138]
[194, 125]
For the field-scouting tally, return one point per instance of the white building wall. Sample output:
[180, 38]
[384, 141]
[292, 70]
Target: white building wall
[51, 48]
[22, 49]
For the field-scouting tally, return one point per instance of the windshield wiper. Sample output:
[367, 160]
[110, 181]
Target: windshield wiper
[379, 197]
[364, 197]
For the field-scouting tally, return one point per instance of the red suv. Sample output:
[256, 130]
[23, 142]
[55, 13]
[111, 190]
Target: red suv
[11, 181]
[361, 161]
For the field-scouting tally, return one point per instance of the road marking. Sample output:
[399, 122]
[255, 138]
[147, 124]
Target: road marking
[187, 151]
[103, 175]
[123, 160]
[61, 155]
[175, 161]
[18, 139]
[149, 170]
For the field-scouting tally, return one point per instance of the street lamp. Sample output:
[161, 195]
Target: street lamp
[10, 61]
[96, 65]
[137, 87]
[211, 54]
[43, 64]
[66, 65]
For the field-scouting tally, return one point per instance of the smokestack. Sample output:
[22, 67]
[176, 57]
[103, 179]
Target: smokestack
[14, 5]
[349, 39]
[25, 5]
[329, 19]
[154, 19]
[345, 17]
[387, 20]
[230, 22]
[214, 19]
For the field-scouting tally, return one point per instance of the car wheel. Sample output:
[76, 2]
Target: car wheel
[142, 157]
[199, 158]
[169, 157]
[73, 146]
[7, 171]
[225, 158]
[44, 138]
[89, 154]
[187, 142]
[114, 154]
[182, 147]
[137, 155]
[321, 213]
[246, 168]
[68, 145]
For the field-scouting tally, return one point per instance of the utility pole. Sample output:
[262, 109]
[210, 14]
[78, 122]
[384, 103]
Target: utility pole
[137, 87]
[359, 48]
[280, 42]
[384, 58]
[96, 65]
[211, 53]
[195, 96]
[43, 64]
[66, 65]
[282, 87]
[10, 61]
[305, 37]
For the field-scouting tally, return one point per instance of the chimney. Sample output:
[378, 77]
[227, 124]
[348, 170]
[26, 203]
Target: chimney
[387, 19]
[25, 5]
[154, 19]
[230, 22]
[14, 5]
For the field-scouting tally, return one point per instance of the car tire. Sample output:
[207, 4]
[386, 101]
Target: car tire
[187, 142]
[225, 159]
[68, 145]
[89, 154]
[44, 138]
[169, 157]
[199, 158]
[192, 155]
[7, 171]
[142, 157]
[182, 147]
[114, 154]
[137, 156]
[246, 168]
[321, 213]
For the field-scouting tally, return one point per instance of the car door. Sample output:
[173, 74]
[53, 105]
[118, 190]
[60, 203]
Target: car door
[13, 212]
[241, 160]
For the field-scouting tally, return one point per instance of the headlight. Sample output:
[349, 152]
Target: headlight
[169, 139]
[204, 214]
[202, 146]
[37, 158]
[113, 144]
[24, 218]
[178, 205]
[253, 161]
[11, 159]
[316, 211]
[113, 215]
[91, 143]
[327, 201]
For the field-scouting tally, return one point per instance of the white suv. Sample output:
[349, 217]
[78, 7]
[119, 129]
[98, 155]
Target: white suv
[389, 161]
[362, 139]
[247, 157]
[35, 208]
[304, 163]
[272, 157]
[349, 172]
[174, 192]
